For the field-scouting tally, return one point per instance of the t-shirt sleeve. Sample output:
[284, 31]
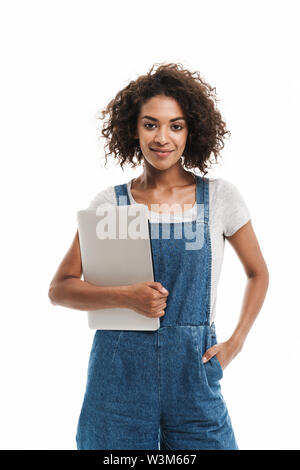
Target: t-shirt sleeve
[235, 212]
[103, 198]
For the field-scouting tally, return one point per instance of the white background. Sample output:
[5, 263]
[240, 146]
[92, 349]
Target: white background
[62, 61]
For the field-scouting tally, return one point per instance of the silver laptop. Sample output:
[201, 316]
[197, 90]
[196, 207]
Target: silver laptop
[116, 250]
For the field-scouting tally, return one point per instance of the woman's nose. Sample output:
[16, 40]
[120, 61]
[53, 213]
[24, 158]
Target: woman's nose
[161, 137]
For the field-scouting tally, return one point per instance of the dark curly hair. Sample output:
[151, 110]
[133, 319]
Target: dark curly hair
[198, 103]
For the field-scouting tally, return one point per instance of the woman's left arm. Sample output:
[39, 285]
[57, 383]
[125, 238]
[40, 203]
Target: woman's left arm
[246, 246]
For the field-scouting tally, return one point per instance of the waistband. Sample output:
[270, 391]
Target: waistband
[190, 325]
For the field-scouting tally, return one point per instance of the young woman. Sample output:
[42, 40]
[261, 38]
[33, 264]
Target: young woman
[161, 389]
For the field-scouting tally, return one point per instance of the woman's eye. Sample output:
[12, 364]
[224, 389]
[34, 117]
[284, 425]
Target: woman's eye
[151, 124]
[148, 124]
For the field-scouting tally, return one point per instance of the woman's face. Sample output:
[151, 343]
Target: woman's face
[161, 126]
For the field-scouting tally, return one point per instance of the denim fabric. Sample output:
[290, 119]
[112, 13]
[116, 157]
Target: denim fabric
[150, 389]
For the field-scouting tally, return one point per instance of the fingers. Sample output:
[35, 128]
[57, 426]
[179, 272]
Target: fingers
[155, 315]
[209, 354]
[161, 305]
[159, 312]
[159, 287]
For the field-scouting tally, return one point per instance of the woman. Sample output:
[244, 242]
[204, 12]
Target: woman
[160, 389]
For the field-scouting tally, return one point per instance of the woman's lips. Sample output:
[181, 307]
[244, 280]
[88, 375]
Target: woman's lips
[161, 153]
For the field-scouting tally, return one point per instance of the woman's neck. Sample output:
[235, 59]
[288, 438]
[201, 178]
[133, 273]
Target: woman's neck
[161, 180]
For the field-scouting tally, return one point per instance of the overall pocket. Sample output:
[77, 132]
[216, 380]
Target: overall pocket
[213, 367]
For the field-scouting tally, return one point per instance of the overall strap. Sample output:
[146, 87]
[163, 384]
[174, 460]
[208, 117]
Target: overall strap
[202, 199]
[206, 200]
[122, 195]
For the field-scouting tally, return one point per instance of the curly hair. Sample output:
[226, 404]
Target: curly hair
[198, 103]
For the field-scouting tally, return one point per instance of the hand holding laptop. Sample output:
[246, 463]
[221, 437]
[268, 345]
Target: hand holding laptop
[116, 251]
[147, 298]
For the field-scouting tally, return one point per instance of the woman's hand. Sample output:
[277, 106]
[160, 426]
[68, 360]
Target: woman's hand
[224, 352]
[147, 298]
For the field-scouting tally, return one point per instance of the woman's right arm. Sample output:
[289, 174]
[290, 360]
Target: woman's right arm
[69, 290]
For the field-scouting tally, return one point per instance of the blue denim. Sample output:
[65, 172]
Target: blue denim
[150, 389]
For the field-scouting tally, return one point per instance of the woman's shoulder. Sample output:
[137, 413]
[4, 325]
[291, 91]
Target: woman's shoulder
[104, 197]
[221, 185]
[223, 191]
[228, 205]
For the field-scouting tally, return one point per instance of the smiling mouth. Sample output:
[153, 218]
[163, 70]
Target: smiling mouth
[160, 151]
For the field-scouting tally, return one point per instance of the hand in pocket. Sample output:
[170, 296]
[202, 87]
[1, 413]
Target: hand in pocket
[224, 353]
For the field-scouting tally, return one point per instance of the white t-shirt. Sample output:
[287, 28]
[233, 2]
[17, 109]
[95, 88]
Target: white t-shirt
[227, 213]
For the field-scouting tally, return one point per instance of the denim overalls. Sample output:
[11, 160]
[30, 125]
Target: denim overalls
[150, 389]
